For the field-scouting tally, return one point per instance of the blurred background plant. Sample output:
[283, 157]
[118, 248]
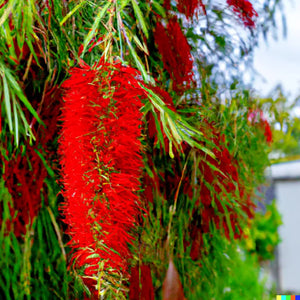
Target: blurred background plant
[263, 236]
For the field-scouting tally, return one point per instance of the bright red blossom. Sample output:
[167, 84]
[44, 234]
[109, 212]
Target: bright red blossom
[101, 163]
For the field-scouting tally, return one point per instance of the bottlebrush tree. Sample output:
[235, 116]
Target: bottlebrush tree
[122, 163]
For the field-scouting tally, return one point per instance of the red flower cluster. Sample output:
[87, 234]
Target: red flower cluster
[190, 7]
[223, 182]
[24, 174]
[245, 11]
[268, 131]
[257, 117]
[220, 193]
[101, 163]
[24, 177]
[219, 187]
[176, 53]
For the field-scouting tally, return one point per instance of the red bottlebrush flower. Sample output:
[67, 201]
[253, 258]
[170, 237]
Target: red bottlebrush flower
[190, 7]
[215, 187]
[24, 174]
[24, 177]
[244, 10]
[268, 131]
[176, 53]
[101, 163]
[257, 117]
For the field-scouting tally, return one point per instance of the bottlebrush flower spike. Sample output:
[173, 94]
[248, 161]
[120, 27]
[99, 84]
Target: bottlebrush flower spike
[214, 207]
[24, 177]
[244, 10]
[101, 163]
[190, 7]
[24, 174]
[176, 53]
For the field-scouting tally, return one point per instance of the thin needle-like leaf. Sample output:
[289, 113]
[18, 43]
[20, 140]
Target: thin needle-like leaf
[17, 90]
[98, 18]
[69, 15]
[7, 103]
[136, 58]
[15, 119]
[140, 17]
[6, 13]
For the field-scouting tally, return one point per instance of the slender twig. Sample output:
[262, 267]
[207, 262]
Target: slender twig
[27, 67]
[173, 209]
[59, 238]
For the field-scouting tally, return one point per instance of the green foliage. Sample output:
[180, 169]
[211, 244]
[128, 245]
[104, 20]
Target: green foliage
[13, 99]
[224, 271]
[176, 128]
[35, 266]
[169, 225]
[286, 125]
[235, 274]
[263, 234]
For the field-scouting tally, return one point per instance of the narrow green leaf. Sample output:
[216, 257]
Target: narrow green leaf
[72, 12]
[160, 103]
[14, 84]
[165, 127]
[9, 41]
[174, 130]
[171, 153]
[123, 4]
[32, 51]
[7, 103]
[138, 62]
[159, 9]
[215, 168]
[119, 21]
[140, 17]
[16, 119]
[98, 18]
[141, 45]
[146, 108]
[158, 129]
[49, 170]
[58, 232]
[6, 13]
[27, 128]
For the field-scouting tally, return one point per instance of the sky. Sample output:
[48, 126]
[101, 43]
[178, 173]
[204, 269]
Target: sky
[278, 61]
